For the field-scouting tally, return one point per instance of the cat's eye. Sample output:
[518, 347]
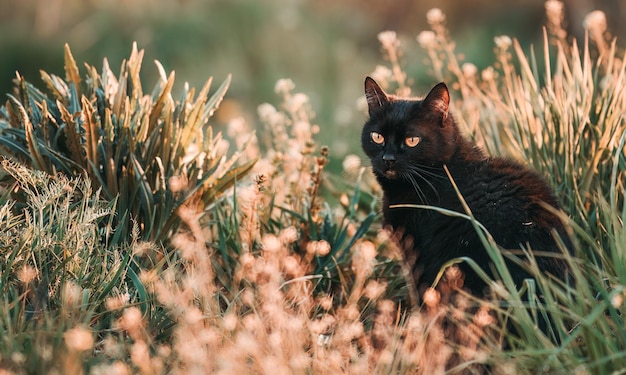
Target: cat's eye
[377, 138]
[412, 141]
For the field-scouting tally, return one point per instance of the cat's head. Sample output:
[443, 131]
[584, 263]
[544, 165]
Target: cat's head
[403, 133]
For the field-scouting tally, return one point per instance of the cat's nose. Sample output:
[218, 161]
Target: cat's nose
[389, 159]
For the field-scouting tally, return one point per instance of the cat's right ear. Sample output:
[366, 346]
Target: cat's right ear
[376, 97]
[438, 101]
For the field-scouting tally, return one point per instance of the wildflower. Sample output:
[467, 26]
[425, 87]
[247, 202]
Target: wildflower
[302, 131]
[554, 12]
[617, 300]
[26, 274]
[488, 74]
[503, 41]
[78, 339]
[247, 297]
[298, 100]
[177, 183]
[595, 22]
[350, 312]
[266, 111]
[363, 261]
[131, 320]
[374, 289]
[117, 302]
[325, 302]
[229, 323]
[289, 234]
[18, 358]
[140, 356]
[454, 276]
[291, 266]
[385, 357]
[300, 362]
[344, 200]
[469, 70]
[431, 297]
[389, 39]
[435, 16]
[192, 315]
[320, 248]
[427, 39]
[367, 250]
[483, 317]
[252, 323]
[271, 243]
[284, 86]
[351, 162]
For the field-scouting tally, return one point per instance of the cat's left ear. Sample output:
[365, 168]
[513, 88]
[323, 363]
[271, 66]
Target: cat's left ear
[375, 95]
[438, 101]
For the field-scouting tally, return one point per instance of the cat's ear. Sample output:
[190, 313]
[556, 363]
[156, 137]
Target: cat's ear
[375, 96]
[438, 101]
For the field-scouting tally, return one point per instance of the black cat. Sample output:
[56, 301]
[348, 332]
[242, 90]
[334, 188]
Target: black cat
[409, 141]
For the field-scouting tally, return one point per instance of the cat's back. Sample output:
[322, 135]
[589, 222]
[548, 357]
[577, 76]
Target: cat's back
[509, 198]
[502, 179]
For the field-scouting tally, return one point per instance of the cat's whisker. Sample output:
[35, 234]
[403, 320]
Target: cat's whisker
[416, 187]
[436, 172]
[416, 170]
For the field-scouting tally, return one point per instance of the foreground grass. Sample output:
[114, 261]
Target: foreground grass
[127, 246]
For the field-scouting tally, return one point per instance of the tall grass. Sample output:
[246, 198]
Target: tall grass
[563, 114]
[131, 242]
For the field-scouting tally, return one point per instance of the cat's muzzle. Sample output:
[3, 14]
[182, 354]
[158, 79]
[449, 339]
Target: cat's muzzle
[391, 174]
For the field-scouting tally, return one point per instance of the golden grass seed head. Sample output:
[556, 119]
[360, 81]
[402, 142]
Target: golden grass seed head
[374, 289]
[389, 39]
[431, 298]
[595, 22]
[435, 16]
[271, 243]
[26, 274]
[117, 302]
[284, 86]
[427, 39]
[503, 42]
[78, 339]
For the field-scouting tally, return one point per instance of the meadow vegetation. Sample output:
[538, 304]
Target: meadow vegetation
[136, 238]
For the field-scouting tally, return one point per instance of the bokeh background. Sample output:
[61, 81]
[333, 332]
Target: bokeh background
[325, 46]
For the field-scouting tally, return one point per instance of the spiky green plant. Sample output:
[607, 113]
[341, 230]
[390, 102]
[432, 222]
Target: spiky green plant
[126, 142]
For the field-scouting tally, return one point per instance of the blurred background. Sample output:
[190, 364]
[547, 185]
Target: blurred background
[325, 46]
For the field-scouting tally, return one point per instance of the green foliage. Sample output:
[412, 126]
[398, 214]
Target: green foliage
[564, 115]
[127, 143]
[56, 274]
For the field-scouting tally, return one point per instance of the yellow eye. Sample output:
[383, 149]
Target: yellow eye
[412, 141]
[377, 138]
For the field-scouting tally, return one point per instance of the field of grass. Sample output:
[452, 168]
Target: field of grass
[135, 238]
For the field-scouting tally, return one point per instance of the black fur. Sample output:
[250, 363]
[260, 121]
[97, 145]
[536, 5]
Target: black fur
[506, 197]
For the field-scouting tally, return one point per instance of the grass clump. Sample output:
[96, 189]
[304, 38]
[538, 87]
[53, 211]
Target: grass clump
[136, 147]
[562, 111]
